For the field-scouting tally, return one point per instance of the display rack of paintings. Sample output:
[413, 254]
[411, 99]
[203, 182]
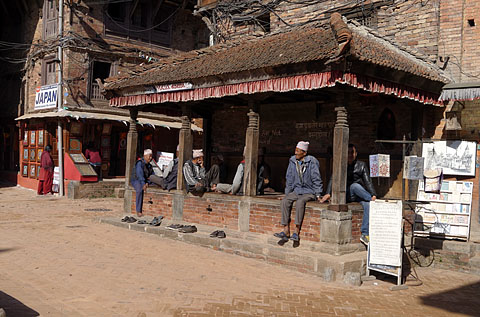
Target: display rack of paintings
[446, 214]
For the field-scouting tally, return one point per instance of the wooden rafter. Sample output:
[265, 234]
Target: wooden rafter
[157, 8]
[134, 7]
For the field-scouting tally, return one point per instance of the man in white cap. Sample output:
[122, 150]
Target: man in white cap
[303, 183]
[140, 174]
[198, 181]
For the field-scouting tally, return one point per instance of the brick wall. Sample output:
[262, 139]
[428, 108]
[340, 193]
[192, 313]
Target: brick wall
[221, 211]
[212, 211]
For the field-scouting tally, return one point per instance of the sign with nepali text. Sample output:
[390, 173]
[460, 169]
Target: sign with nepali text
[173, 87]
[46, 97]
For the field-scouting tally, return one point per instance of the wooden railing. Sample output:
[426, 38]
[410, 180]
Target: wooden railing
[96, 93]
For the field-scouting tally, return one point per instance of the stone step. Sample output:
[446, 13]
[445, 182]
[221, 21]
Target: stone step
[308, 259]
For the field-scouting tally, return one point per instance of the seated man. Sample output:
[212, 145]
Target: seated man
[303, 183]
[168, 179]
[263, 173]
[198, 181]
[359, 188]
[140, 174]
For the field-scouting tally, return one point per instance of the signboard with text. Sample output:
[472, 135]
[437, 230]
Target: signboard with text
[46, 97]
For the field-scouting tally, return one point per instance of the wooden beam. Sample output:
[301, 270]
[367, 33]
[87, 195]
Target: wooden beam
[135, 5]
[156, 9]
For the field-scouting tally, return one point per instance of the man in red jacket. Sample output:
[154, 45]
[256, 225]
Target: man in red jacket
[46, 172]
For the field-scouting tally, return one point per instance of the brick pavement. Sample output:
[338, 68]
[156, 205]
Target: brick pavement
[56, 260]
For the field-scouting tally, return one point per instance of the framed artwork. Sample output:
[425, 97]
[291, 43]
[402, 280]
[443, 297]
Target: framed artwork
[106, 154]
[105, 141]
[32, 138]
[454, 157]
[25, 154]
[33, 170]
[38, 171]
[39, 154]
[40, 137]
[25, 170]
[78, 158]
[25, 137]
[33, 155]
[107, 128]
[76, 128]
[75, 145]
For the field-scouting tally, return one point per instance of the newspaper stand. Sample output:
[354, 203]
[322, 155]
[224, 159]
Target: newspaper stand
[385, 249]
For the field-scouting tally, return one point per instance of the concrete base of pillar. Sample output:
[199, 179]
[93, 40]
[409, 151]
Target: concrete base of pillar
[244, 215]
[336, 227]
[177, 205]
[127, 200]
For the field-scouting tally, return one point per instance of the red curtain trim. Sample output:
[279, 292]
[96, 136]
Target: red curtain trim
[301, 82]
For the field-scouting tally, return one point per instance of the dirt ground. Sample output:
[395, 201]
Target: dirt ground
[57, 260]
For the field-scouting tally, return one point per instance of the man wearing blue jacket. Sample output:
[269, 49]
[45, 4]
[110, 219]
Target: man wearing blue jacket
[303, 183]
[140, 174]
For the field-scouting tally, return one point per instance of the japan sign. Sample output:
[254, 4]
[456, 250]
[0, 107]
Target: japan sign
[46, 97]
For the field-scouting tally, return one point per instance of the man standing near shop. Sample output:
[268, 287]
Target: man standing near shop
[303, 184]
[45, 179]
[141, 172]
[359, 188]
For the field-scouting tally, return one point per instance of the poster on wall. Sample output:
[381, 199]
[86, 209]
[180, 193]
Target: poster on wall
[32, 138]
[40, 137]
[380, 165]
[454, 157]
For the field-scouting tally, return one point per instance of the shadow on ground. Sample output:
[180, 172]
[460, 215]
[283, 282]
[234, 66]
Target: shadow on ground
[462, 300]
[14, 307]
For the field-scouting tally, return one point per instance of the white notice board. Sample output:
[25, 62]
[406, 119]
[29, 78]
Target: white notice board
[385, 233]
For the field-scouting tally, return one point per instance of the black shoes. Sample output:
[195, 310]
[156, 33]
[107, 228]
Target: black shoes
[188, 229]
[128, 219]
[174, 227]
[156, 221]
[218, 234]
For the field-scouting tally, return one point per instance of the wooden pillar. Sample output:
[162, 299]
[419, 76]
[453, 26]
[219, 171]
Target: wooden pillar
[185, 149]
[251, 155]
[132, 139]
[340, 160]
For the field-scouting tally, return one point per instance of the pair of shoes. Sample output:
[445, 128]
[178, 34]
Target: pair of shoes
[188, 229]
[295, 237]
[282, 235]
[128, 219]
[365, 239]
[218, 234]
[174, 226]
[141, 222]
[156, 221]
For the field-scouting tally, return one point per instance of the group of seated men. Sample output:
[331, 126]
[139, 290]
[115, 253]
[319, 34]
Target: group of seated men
[303, 183]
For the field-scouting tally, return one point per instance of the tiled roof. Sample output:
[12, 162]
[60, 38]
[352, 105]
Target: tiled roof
[306, 44]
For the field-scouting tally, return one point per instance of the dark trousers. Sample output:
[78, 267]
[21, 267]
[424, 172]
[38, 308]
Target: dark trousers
[211, 177]
[138, 196]
[287, 203]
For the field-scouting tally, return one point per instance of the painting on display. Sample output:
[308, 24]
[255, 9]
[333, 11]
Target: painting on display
[413, 168]
[38, 171]
[25, 154]
[40, 137]
[105, 141]
[25, 170]
[33, 155]
[454, 157]
[380, 165]
[75, 145]
[39, 154]
[33, 171]
[32, 138]
[25, 138]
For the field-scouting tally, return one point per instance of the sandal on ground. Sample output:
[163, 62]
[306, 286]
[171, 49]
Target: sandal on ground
[131, 220]
[221, 235]
[124, 219]
[282, 235]
[214, 234]
[142, 222]
[156, 221]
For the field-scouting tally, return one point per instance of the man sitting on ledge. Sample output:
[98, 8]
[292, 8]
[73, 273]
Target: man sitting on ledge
[198, 181]
[359, 188]
[303, 184]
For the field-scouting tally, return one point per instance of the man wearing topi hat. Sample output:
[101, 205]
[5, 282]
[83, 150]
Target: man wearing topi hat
[198, 181]
[303, 183]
